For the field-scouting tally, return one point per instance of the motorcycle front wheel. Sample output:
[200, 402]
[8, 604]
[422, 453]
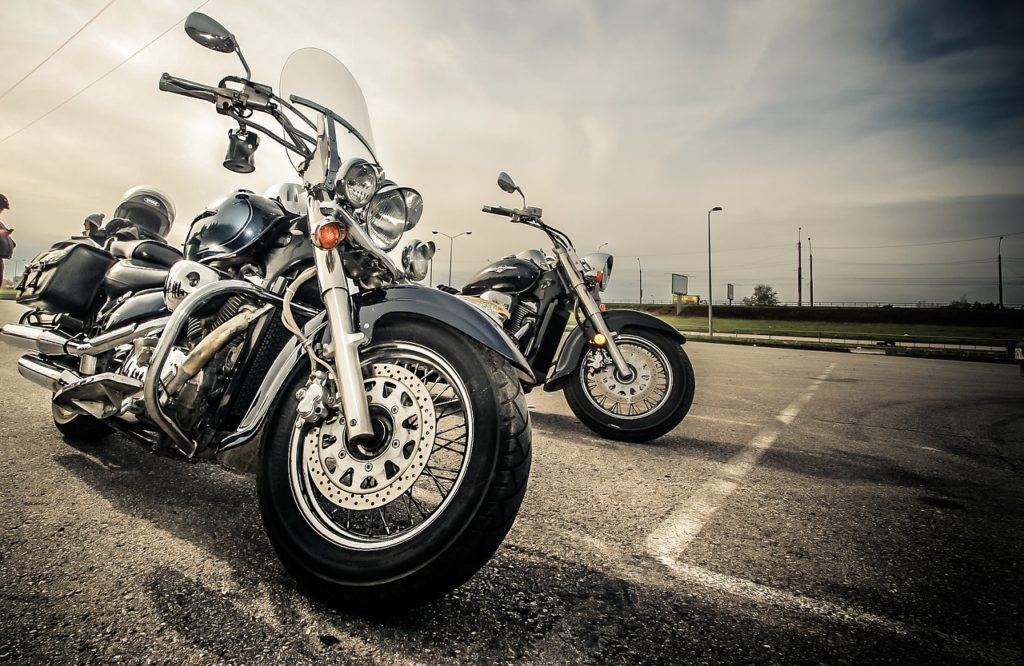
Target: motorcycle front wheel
[641, 406]
[380, 526]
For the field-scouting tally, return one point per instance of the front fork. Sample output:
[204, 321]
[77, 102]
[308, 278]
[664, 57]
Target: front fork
[346, 339]
[571, 267]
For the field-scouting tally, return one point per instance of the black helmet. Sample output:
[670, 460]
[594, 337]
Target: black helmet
[147, 208]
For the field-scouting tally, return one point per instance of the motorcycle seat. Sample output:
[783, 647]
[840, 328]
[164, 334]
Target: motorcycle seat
[126, 275]
[147, 253]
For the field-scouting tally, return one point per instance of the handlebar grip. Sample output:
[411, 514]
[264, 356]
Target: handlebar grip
[172, 84]
[497, 210]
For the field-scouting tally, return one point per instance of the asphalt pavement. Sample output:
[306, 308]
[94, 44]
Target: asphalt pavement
[814, 507]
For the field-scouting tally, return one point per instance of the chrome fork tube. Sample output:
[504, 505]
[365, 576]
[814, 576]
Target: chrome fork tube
[570, 265]
[344, 336]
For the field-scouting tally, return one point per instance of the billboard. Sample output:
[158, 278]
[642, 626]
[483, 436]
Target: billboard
[680, 283]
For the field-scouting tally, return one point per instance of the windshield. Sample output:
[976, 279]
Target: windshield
[320, 77]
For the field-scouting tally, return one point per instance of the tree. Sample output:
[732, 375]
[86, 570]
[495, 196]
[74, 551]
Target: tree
[763, 295]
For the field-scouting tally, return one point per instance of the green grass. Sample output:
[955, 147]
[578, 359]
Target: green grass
[768, 326]
[8, 294]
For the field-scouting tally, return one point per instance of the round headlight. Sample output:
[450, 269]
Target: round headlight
[391, 212]
[413, 204]
[416, 259]
[385, 219]
[358, 182]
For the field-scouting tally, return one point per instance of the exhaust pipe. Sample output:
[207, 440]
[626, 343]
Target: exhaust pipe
[49, 341]
[34, 338]
[40, 371]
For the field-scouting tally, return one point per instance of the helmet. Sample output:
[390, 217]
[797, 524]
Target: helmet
[147, 208]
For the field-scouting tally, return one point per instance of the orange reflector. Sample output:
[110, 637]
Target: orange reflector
[329, 235]
[599, 340]
[604, 308]
[600, 277]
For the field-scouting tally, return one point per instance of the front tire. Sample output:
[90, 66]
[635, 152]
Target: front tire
[636, 409]
[79, 427]
[385, 526]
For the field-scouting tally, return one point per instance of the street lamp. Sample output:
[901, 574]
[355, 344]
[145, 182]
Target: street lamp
[713, 210]
[451, 248]
[601, 245]
[641, 280]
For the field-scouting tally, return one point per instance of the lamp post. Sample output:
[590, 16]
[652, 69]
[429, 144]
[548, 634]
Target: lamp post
[799, 269]
[451, 249]
[999, 255]
[713, 210]
[641, 280]
[810, 261]
[601, 245]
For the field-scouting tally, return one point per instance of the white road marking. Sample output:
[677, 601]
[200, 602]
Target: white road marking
[719, 419]
[686, 522]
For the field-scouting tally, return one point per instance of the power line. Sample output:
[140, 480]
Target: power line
[108, 73]
[66, 42]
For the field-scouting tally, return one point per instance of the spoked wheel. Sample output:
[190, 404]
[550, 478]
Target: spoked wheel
[79, 427]
[416, 511]
[647, 403]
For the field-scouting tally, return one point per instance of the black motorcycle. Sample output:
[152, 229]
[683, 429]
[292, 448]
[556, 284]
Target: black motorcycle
[396, 441]
[624, 373]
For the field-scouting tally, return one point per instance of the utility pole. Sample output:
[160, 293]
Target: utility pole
[710, 315]
[810, 261]
[799, 269]
[641, 280]
[999, 253]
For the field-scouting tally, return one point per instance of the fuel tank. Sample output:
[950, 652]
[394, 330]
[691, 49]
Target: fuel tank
[510, 275]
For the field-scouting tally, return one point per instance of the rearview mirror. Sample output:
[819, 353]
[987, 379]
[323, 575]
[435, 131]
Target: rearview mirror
[506, 183]
[207, 32]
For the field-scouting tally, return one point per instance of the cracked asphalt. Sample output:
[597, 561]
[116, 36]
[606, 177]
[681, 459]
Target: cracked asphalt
[817, 507]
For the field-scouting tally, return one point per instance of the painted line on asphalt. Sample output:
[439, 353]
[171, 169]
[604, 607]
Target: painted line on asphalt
[719, 419]
[685, 523]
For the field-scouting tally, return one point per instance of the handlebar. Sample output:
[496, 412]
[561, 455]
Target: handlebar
[498, 210]
[172, 84]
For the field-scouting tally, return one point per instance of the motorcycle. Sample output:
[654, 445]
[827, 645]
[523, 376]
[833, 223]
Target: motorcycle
[624, 373]
[396, 442]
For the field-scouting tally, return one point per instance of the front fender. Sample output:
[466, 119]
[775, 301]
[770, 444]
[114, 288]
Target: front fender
[372, 308]
[445, 309]
[572, 349]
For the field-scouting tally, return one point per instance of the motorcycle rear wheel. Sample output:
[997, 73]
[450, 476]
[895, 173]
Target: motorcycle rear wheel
[369, 538]
[637, 409]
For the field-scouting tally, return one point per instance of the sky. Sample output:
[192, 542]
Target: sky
[889, 133]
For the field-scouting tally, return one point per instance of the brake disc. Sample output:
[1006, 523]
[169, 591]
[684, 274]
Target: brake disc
[363, 477]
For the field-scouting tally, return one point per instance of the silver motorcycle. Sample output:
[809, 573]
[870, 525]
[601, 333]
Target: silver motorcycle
[396, 443]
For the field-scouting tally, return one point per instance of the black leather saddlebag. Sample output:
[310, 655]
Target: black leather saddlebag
[65, 279]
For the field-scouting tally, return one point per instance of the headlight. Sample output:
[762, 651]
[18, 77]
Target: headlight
[416, 259]
[391, 212]
[358, 182]
[599, 266]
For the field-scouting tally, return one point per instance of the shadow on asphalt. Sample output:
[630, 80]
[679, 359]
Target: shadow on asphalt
[523, 604]
[671, 444]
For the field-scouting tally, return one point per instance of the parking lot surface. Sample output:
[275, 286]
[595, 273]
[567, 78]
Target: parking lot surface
[814, 507]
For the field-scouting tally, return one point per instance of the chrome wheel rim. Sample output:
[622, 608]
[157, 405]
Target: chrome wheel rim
[636, 397]
[380, 495]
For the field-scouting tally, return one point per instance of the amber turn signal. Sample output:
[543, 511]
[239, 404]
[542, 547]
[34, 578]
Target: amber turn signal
[599, 340]
[329, 235]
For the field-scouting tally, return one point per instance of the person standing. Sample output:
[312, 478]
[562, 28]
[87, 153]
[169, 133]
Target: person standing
[7, 243]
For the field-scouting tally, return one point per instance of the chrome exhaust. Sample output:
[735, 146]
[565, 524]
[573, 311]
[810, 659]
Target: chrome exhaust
[40, 371]
[49, 341]
[34, 338]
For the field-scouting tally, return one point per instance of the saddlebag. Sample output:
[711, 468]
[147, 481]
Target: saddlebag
[65, 279]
